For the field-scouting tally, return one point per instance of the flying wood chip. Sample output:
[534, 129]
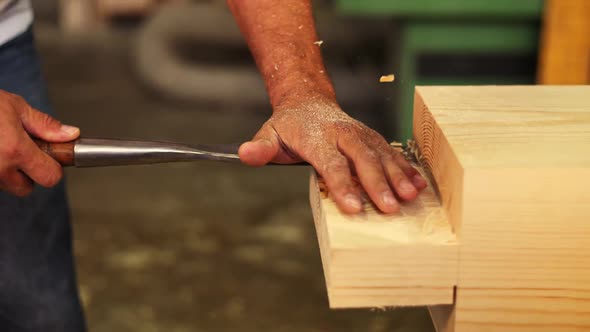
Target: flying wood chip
[387, 78]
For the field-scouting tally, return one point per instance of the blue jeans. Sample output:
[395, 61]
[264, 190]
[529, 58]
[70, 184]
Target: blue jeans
[38, 289]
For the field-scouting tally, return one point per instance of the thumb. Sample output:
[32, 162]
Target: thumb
[47, 128]
[260, 151]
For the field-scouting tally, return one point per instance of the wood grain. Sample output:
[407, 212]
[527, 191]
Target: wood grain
[376, 260]
[512, 166]
[519, 156]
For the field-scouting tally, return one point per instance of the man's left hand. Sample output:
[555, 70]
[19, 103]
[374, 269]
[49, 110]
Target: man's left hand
[338, 147]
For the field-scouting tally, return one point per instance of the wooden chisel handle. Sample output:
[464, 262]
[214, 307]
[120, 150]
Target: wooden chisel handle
[63, 153]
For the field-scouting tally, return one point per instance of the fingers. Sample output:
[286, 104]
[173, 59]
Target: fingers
[39, 166]
[417, 180]
[335, 170]
[24, 155]
[382, 172]
[45, 127]
[15, 183]
[372, 176]
[21, 160]
[398, 179]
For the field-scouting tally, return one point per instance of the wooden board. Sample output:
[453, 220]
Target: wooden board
[372, 260]
[518, 160]
[512, 165]
[564, 57]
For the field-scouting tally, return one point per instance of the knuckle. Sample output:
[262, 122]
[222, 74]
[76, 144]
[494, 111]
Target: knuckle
[16, 100]
[397, 159]
[18, 103]
[346, 129]
[47, 121]
[388, 158]
[395, 172]
[337, 165]
[370, 156]
[10, 151]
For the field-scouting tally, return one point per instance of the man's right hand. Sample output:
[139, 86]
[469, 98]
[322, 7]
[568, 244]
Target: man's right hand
[21, 161]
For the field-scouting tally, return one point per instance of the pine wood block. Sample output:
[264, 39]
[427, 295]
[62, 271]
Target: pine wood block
[512, 168]
[372, 260]
[520, 172]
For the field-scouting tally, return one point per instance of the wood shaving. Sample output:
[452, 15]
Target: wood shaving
[396, 144]
[387, 78]
[412, 152]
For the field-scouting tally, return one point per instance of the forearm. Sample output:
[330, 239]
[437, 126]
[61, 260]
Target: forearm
[282, 38]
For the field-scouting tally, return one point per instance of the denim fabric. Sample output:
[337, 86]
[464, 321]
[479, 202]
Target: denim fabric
[37, 279]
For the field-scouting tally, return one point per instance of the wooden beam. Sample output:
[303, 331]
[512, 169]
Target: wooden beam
[520, 162]
[513, 170]
[373, 260]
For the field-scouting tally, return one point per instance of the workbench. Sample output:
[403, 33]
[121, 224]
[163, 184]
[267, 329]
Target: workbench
[500, 240]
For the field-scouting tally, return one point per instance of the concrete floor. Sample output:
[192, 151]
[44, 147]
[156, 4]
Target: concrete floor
[188, 247]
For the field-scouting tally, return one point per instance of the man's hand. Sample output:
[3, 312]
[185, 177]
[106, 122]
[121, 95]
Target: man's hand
[307, 123]
[21, 161]
[338, 147]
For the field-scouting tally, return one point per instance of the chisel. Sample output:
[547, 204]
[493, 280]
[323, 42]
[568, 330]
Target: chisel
[96, 152]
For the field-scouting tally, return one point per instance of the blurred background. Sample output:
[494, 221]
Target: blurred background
[216, 247]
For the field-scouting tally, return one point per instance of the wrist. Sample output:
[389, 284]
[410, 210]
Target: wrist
[301, 88]
[298, 97]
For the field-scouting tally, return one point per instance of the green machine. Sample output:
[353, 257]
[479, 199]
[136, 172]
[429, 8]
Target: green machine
[454, 42]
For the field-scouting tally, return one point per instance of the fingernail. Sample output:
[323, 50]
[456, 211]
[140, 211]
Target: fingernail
[406, 186]
[353, 201]
[388, 198]
[419, 180]
[69, 129]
